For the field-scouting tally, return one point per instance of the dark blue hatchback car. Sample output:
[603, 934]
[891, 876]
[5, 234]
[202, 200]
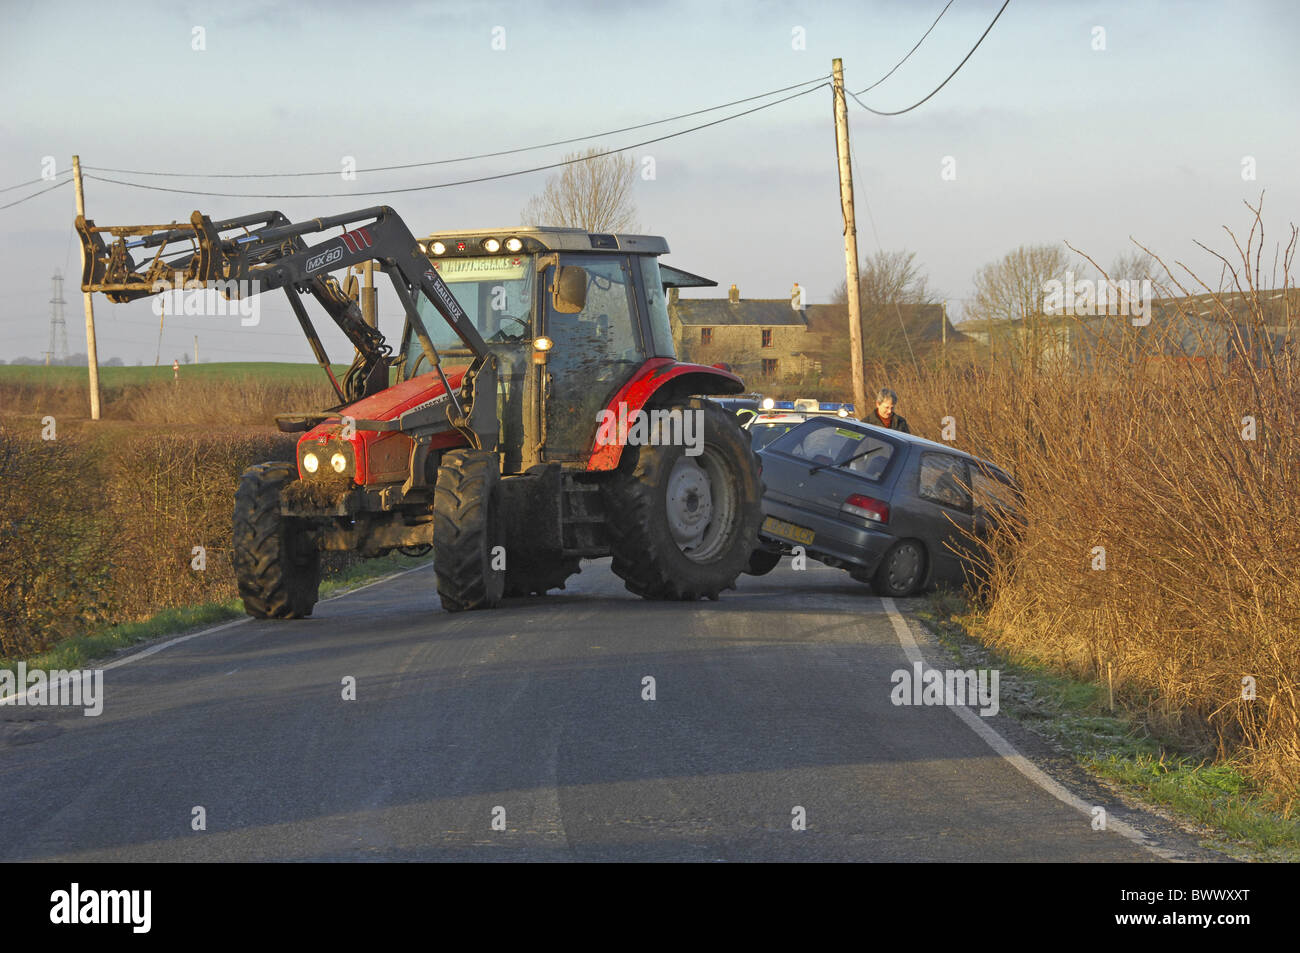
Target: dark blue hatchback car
[886, 506]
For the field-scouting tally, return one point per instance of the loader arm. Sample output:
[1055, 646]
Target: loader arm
[252, 254]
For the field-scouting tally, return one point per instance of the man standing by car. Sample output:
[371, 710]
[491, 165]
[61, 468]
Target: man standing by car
[886, 401]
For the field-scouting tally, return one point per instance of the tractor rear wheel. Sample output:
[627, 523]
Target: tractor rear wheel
[276, 565]
[465, 507]
[683, 526]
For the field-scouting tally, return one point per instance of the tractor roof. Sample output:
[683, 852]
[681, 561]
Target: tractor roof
[544, 239]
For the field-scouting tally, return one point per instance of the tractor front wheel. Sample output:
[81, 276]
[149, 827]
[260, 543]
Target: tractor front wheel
[682, 526]
[465, 539]
[277, 567]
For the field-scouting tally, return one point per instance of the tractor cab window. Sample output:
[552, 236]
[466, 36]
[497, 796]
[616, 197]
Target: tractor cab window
[661, 327]
[496, 293]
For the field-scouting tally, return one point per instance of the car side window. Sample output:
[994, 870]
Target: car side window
[943, 480]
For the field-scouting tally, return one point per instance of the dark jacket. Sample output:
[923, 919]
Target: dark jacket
[896, 421]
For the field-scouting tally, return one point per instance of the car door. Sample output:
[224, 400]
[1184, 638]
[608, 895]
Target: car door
[937, 510]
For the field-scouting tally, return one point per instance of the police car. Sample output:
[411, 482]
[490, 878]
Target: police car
[776, 417]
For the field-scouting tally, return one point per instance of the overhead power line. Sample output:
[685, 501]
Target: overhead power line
[446, 185]
[49, 178]
[482, 155]
[34, 194]
[899, 112]
[909, 52]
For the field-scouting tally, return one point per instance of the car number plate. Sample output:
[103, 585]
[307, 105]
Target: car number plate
[788, 531]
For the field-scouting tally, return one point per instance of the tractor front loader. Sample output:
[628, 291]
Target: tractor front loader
[539, 416]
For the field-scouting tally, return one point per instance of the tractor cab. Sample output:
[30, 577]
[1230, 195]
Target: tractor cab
[571, 317]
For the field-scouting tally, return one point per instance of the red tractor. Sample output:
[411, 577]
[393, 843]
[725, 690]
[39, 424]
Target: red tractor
[538, 417]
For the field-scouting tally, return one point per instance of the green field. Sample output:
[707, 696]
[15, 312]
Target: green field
[119, 376]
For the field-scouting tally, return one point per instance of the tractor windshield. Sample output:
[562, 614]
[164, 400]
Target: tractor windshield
[496, 293]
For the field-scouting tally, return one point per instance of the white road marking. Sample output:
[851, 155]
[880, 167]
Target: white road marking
[155, 649]
[1008, 751]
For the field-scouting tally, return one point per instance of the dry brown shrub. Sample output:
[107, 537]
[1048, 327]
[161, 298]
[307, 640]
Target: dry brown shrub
[243, 401]
[1200, 527]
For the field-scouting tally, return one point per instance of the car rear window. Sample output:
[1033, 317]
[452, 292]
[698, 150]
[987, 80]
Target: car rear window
[845, 448]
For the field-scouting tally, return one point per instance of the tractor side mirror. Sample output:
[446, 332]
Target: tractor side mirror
[569, 296]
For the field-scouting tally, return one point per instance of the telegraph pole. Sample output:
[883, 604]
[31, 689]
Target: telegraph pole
[850, 239]
[92, 356]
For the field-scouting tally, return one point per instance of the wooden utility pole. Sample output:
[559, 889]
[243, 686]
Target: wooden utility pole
[92, 356]
[369, 308]
[850, 239]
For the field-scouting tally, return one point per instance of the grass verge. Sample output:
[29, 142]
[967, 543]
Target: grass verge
[1233, 814]
[79, 650]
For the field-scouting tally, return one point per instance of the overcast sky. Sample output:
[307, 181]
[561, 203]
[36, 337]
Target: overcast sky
[1052, 139]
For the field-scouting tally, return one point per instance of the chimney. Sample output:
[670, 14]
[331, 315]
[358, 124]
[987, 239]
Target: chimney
[796, 297]
[734, 295]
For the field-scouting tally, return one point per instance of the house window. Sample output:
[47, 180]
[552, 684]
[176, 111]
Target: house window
[767, 337]
[769, 364]
[706, 335]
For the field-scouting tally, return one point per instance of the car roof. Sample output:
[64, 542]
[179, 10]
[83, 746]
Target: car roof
[907, 438]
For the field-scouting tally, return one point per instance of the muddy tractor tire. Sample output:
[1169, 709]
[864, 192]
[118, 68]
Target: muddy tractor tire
[683, 527]
[536, 577]
[465, 510]
[277, 568]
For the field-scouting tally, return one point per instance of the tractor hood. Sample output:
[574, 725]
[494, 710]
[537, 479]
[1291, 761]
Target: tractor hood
[375, 456]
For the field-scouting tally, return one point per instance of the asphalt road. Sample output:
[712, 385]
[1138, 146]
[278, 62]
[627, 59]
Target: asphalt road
[772, 700]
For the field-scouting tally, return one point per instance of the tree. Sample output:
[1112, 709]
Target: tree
[889, 283]
[888, 278]
[1133, 265]
[594, 194]
[1013, 288]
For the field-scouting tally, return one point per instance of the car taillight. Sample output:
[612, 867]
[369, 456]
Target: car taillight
[866, 507]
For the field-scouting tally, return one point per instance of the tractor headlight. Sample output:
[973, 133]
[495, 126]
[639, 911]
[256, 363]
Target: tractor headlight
[491, 246]
[310, 462]
[768, 403]
[542, 344]
[514, 245]
[437, 248]
[339, 463]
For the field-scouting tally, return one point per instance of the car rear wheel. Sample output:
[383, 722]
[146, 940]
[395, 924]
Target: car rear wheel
[902, 570]
[762, 562]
